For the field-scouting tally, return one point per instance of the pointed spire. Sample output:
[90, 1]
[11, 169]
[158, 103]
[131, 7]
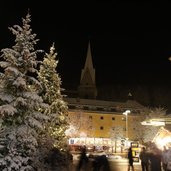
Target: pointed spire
[88, 63]
[87, 86]
[88, 66]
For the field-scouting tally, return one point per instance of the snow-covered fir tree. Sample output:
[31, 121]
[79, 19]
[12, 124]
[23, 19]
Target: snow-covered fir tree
[58, 109]
[21, 116]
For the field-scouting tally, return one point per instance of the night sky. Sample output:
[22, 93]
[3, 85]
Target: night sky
[131, 42]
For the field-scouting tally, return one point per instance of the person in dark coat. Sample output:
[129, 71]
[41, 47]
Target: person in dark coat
[144, 159]
[130, 160]
[155, 159]
[101, 163]
[164, 158]
[82, 164]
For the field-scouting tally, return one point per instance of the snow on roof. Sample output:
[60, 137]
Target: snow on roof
[102, 103]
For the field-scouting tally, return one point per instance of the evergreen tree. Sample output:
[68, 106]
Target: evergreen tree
[58, 109]
[22, 120]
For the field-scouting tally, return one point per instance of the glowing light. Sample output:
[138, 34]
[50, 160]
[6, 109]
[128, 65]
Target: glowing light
[153, 123]
[162, 142]
[126, 112]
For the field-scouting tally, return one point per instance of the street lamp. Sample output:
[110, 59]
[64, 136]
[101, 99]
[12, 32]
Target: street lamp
[126, 114]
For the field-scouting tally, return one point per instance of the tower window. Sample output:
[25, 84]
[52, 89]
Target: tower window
[113, 118]
[101, 117]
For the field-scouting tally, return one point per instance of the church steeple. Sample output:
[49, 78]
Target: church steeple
[87, 88]
[88, 62]
[88, 68]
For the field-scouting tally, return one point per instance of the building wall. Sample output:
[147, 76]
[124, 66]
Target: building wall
[104, 122]
[100, 125]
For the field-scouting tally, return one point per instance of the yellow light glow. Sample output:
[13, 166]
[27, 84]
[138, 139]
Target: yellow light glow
[162, 142]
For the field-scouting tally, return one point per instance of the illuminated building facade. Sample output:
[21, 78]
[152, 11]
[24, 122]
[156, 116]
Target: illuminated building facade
[98, 120]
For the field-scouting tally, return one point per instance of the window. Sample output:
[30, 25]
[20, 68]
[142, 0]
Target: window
[90, 117]
[101, 117]
[113, 118]
[101, 128]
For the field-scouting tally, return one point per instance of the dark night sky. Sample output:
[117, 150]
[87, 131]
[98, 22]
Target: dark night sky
[131, 42]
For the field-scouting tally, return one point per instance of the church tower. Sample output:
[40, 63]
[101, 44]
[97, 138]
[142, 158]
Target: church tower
[87, 88]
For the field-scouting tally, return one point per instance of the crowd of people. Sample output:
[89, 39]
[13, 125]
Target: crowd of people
[100, 163]
[151, 158]
[166, 159]
[154, 159]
